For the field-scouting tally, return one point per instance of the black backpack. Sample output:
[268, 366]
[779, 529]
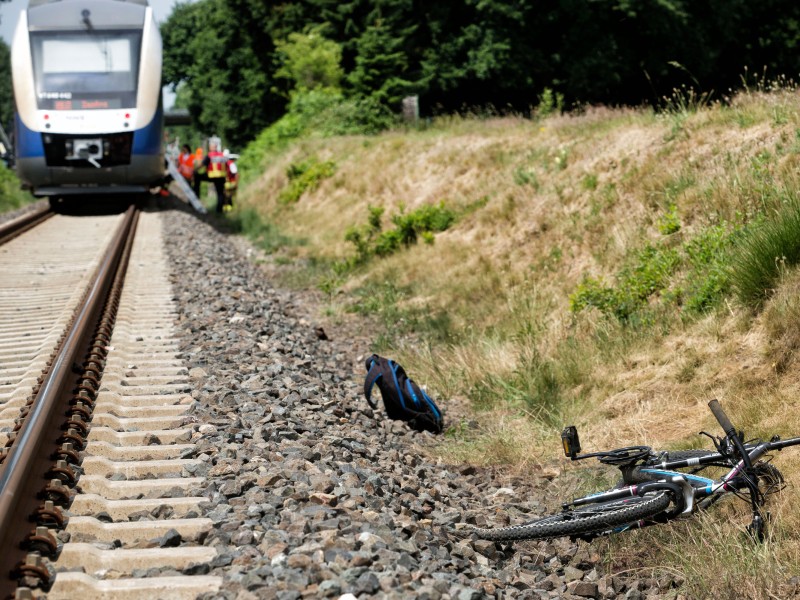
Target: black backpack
[403, 399]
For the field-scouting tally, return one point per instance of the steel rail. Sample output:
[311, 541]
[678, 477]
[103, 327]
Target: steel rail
[13, 228]
[23, 474]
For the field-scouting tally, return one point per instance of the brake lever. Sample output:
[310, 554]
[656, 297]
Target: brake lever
[718, 441]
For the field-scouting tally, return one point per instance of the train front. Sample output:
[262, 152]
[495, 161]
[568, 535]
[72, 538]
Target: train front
[87, 89]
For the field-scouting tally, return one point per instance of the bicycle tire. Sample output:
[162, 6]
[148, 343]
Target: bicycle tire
[591, 518]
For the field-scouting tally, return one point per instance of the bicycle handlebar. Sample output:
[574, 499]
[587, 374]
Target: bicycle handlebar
[730, 431]
[722, 418]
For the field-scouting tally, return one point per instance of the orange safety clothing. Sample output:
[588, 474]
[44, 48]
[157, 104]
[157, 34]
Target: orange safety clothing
[186, 165]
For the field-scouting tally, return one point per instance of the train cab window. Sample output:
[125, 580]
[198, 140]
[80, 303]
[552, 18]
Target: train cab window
[81, 71]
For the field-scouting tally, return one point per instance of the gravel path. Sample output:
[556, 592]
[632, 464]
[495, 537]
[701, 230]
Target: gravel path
[313, 495]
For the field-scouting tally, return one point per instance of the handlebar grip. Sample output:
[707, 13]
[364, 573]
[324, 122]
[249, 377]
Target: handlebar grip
[722, 418]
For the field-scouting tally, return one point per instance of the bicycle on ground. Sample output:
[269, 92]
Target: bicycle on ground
[659, 486]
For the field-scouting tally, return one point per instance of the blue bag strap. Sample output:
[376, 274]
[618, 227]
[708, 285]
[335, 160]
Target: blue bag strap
[393, 366]
[412, 393]
[425, 397]
[432, 404]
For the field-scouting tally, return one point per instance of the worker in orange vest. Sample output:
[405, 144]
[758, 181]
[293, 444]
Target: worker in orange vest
[214, 164]
[186, 164]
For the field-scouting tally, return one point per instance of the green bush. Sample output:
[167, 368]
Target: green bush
[694, 277]
[709, 257]
[592, 293]
[324, 113]
[387, 243]
[427, 218]
[305, 176]
[353, 116]
[11, 196]
[669, 223]
[271, 140]
[644, 276]
[422, 223]
[550, 102]
[767, 247]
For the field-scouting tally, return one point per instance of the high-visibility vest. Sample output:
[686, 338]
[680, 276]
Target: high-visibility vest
[216, 165]
[186, 165]
[232, 171]
[232, 179]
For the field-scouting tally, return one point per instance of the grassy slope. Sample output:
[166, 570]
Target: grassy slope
[545, 204]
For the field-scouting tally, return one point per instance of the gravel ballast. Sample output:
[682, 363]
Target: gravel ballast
[315, 495]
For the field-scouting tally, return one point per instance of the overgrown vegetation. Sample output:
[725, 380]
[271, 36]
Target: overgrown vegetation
[592, 271]
[715, 542]
[305, 176]
[771, 247]
[11, 196]
[693, 277]
[422, 223]
[317, 107]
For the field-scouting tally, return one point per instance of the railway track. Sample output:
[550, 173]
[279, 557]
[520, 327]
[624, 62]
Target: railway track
[21, 224]
[97, 495]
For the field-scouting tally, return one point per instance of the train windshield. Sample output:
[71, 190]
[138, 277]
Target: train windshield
[87, 70]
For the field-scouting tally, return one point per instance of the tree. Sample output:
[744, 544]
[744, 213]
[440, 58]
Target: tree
[6, 93]
[210, 47]
[241, 60]
[309, 61]
[382, 70]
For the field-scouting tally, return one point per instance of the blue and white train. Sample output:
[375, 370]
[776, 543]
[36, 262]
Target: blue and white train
[87, 90]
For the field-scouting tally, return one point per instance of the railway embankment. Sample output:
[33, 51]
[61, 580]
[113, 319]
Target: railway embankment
[311, 493]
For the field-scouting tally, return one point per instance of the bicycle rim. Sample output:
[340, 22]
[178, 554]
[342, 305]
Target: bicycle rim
[586, 519]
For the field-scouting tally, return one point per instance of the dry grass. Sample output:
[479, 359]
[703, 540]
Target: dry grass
[715, 556]
[568, 197]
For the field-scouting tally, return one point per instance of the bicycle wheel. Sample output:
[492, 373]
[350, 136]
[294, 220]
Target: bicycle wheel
[591, 518]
